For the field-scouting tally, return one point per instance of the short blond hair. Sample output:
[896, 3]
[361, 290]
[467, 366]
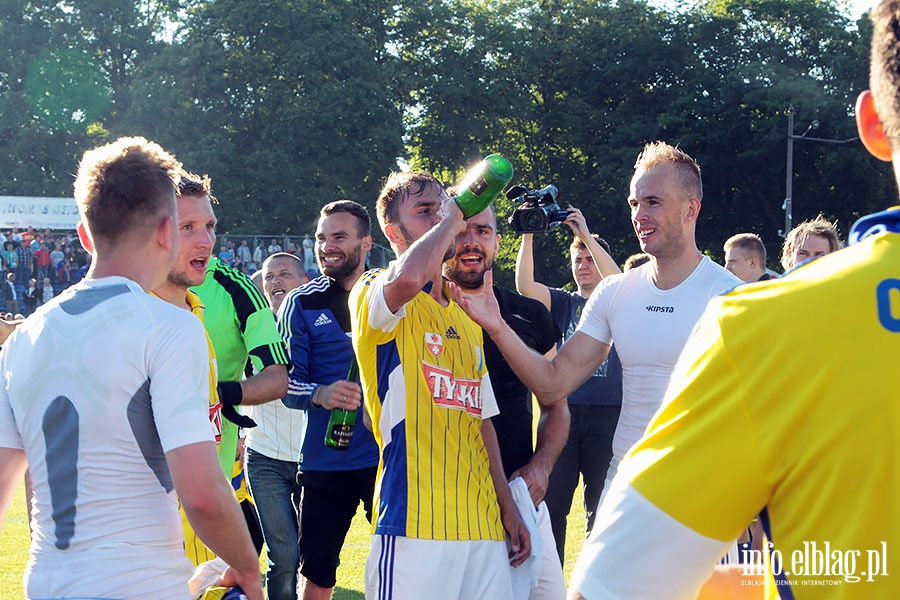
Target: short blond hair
[124, 186]
[750, 242]
[659, 153]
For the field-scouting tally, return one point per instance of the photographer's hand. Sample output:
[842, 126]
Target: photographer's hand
[577, 223]
[525, 283]
[605, 264]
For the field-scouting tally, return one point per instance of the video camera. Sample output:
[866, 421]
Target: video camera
[537, 211]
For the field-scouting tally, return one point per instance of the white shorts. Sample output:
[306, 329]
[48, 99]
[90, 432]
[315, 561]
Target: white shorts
[400, 567]
[114, 571]
[552, 584]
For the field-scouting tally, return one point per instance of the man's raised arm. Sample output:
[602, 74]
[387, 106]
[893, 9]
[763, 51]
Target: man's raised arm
[605, 264]
[525, 283]
[417, 265]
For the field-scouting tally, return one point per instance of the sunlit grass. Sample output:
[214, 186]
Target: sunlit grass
[14, 550]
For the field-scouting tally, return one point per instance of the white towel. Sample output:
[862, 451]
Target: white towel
[526, 576]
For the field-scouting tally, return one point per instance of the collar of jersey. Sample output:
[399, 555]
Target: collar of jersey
[880, 222]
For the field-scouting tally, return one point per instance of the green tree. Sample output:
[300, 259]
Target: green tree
[280, 102]
[574, 89]
[754, 59]
[65, 71]
[560, 88]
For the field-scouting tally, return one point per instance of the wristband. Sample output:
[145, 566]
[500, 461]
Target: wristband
[230, 392]
[230, 395]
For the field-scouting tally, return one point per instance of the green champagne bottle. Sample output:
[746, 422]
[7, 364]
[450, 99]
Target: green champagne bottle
[339, 432]
[483, 184]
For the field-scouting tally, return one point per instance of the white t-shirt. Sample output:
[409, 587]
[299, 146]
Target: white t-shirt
[650, 327]
[97, 386]
[279, 430]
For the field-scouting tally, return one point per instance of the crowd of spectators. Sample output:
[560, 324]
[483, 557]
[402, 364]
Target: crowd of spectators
[38, 265]
[248, 254]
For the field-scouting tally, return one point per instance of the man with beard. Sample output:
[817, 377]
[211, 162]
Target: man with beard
[443, 501]
[273, 447]
[197, 236]
[315, 323]
[242, 327]
[476, 248]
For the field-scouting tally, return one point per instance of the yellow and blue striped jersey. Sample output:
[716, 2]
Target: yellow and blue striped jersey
[427, 391]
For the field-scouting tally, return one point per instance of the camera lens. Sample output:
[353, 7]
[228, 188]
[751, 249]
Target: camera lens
[534, 220]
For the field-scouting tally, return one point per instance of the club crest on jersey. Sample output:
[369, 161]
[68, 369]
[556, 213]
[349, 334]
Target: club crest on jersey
[215, 420]
[435, 343]
[453, 392]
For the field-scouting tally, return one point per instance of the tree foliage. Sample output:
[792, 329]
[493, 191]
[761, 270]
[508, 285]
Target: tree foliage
[280, 102]
[290, 104]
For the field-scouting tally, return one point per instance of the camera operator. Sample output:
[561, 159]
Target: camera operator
[596, 404]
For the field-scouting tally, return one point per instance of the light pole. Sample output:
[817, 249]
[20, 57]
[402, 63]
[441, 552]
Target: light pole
[789, 176]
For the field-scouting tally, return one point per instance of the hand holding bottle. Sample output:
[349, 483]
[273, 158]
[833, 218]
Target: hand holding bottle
[339, 432]
[341, 394]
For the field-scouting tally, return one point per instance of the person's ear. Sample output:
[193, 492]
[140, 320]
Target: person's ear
[366, 243]
[871, 132]
[165, 233]
[391, 233]
[693, 209]
[85, 239]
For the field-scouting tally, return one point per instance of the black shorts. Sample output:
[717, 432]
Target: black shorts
[326, 505]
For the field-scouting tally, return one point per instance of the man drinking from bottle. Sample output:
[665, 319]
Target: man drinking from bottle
[443, 502]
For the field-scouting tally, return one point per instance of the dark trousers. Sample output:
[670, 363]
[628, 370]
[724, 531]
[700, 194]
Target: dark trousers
[587, 452]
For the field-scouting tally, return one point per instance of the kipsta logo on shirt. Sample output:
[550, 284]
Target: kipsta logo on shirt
[435, 343]
[660, 309]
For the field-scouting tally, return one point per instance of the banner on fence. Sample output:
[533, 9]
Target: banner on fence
[40, 213]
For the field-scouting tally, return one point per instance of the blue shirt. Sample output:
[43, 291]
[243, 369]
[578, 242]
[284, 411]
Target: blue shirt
[314, 322]
[604, 387]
